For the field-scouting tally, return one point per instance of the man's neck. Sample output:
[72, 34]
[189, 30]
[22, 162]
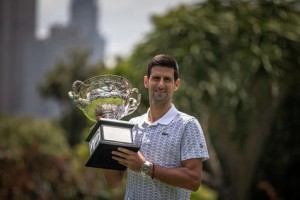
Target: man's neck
[156, 112]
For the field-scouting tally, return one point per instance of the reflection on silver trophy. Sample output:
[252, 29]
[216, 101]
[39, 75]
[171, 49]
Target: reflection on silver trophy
[111, 97]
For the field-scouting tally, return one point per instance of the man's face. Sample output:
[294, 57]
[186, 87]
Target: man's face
[161, 85]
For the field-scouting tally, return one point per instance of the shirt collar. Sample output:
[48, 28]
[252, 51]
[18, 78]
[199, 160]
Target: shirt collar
[165, 119]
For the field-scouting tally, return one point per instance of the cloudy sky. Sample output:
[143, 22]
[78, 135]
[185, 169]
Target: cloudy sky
[123, 23]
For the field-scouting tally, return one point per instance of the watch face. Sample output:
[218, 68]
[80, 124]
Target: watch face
[145, 168]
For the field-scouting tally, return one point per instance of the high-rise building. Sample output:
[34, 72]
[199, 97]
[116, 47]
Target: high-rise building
[17, 27]
[27, 59]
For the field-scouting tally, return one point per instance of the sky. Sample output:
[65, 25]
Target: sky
[123, 23]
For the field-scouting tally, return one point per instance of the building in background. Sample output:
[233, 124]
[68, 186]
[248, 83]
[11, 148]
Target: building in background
[24, 59]
[17, 28]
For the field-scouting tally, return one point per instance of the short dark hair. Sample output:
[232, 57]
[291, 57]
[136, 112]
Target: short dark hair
[164, 60]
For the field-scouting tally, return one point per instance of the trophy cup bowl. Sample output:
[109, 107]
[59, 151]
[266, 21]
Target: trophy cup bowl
[111, 97]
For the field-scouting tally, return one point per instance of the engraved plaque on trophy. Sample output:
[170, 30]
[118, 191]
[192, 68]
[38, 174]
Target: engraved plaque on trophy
[111, 97]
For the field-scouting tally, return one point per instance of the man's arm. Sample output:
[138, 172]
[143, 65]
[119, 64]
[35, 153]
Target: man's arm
[187, 176]
[113, 177]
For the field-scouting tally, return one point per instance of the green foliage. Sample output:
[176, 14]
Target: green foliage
[37, 163]
[22, 133]
[204, 193]
[222, 48]
[33, 155]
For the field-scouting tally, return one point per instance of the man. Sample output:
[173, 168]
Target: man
[169, 162]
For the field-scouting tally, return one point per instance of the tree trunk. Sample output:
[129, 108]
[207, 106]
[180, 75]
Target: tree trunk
[239, 162]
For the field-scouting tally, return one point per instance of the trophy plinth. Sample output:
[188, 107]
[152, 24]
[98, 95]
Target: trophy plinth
[106, 136]
[110, 97]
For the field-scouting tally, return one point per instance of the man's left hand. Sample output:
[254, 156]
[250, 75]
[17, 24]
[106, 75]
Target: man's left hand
[131, 159]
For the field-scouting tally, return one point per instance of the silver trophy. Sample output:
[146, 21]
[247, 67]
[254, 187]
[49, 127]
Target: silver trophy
[111, 97]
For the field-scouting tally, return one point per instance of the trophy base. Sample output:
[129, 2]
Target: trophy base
[106, 136]
[102, 157]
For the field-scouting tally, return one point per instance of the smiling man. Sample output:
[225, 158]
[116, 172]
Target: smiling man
[169, 162]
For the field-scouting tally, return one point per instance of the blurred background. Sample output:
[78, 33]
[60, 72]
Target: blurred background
[240, 77]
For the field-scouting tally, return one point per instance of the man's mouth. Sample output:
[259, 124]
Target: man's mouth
[160, 92]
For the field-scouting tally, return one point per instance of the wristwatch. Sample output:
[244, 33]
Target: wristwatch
[145, 168]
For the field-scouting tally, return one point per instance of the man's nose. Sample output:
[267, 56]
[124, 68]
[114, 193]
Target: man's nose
[161, 82]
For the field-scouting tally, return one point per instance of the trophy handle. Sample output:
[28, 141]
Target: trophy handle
[134, 103]
[81, 103]
[72, 95]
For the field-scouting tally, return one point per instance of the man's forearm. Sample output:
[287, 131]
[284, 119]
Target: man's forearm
[188, 176]
[180, 177]
[113, 177]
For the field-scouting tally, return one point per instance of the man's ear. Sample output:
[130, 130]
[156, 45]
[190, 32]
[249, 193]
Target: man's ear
[177, 84]
[146, 81]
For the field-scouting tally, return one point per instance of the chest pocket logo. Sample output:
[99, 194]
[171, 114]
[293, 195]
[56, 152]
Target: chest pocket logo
[165, 133]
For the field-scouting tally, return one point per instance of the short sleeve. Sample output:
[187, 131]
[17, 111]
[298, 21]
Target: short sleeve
[193, 144]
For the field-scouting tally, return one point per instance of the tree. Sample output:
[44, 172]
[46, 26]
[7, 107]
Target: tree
[37, 163]
[34, 156]
[239, 63]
